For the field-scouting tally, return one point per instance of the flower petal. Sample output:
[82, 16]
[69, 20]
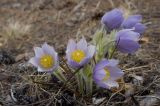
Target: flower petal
[48, 49]
[131, 21]
[140, 28]
[112, 62]
[71, 46]
[41, 69]
[127, 46]
[113, 19]
[34, 61]
[102, 84]
[101, 65]
[98, 75]
[91, 51]
[73, 64]
[82, 44]
[107, 84]
[115, 73]
[56, 59]
[127, 34]
[111, 83]
[84, 61]
[38, 52]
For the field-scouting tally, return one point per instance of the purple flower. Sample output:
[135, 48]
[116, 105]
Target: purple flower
[127, 41]
[113, 19]
[140, 28]
[79, 54]
[45, 59]
[134, 21]
[106, 73]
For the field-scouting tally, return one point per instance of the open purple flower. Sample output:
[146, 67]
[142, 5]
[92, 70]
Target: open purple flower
[134, 21]
[113, 19]
[127, 41]
[106, 73]
[45, 59]
[78, 54]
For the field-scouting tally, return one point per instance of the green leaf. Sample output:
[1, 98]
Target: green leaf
[59, 74]
[97, 37]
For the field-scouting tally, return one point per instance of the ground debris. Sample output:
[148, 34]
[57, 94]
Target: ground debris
[150, 100]
[6, 58]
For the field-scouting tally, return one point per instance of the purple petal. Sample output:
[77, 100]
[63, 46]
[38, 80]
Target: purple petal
[131, 21]
[82, 44]
[111, 83]
[113, 19]
[71, 46]
[98, 75]
[68, 56]
[38, 52]
[56, 62]
[48, 49]
[103, 63]
[112, 62]
[84, 61]
[34, 61]
[107, 84]
[91, 51]
[136, 17]
[41, 69]
[102, 84]
[73, 64]
[127, 46]
[115, 73]
[56, 59]
[127, 34]
[53, 68]
[140, 28]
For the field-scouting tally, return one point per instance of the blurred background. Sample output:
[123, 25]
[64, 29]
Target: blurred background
[29, 22]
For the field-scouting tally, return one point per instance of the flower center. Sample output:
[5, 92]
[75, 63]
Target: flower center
[77, 55]
[47, 61]
[107, 76]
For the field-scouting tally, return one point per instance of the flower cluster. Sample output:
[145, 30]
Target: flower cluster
[115, 20]
[130, 29]
[124, 32]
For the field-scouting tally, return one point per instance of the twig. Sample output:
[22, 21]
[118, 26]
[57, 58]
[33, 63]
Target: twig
[68, 81]
[71, 77]
[149, 85]
[134, 68]
[148, 97]
[134, 100]
[102, 104]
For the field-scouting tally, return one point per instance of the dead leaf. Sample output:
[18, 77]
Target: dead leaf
[144, 40]
[150, 100]
[3, 77]
[129, 90]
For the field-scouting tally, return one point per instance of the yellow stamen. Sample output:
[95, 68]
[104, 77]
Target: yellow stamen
[47, 61]
[78, 55]
[107, 74]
